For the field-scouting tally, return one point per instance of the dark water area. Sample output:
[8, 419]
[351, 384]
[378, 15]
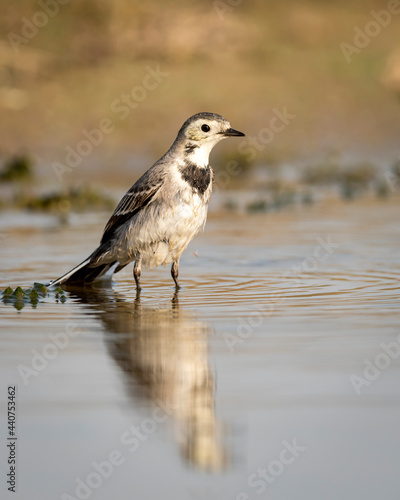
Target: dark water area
[273, 373]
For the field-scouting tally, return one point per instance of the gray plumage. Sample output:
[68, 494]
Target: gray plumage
[162, 212]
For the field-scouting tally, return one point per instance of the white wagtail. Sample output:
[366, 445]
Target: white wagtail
[162, 212]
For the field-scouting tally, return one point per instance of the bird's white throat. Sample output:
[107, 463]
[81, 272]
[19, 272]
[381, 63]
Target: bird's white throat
[201, 155]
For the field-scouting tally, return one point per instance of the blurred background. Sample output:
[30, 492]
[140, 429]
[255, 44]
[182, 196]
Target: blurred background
[291, 293]
[66, 67]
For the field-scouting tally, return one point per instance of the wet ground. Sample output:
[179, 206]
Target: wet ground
[273, 373]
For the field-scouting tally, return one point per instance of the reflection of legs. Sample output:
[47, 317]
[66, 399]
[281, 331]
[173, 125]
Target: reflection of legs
[175, 300]
[175, 272]
[136, 272]
[137, 299]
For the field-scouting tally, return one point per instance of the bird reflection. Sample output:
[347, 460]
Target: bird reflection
[163, 354]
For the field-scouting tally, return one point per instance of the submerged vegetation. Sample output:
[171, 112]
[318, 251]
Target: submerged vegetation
[16, 169]
[19, 169]
[273, 184]
[74, 198]
[20, 297]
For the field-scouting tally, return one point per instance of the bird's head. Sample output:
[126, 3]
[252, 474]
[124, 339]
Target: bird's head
[201, 132]
[207, 128]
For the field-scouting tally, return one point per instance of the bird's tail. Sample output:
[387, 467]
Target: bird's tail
[83, 273]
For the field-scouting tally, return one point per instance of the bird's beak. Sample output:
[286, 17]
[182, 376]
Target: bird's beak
[231, 132]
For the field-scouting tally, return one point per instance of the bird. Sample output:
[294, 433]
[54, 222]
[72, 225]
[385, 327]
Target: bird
[162, 212]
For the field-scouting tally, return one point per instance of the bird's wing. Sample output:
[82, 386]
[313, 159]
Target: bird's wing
[138, 197]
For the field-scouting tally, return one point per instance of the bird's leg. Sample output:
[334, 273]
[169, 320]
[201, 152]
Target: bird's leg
[137, 268]
[175, 273]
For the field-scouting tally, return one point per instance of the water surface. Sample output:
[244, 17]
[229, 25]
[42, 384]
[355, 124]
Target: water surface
[273, 373]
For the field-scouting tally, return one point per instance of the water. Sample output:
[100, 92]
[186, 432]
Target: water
[265, 377]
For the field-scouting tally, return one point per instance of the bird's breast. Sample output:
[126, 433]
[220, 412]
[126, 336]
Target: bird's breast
[198, 178]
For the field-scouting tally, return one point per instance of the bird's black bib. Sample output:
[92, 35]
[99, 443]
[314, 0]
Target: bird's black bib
[198, 178]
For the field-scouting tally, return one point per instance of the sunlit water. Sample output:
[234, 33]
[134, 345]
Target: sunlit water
[274, 373]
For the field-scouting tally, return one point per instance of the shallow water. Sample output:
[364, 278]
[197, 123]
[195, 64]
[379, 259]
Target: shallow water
[265, 377]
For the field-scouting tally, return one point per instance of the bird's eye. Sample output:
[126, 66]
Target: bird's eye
[205, 128]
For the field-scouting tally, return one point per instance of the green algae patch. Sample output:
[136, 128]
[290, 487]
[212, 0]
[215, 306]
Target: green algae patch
[17, 168]
[33, 295]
